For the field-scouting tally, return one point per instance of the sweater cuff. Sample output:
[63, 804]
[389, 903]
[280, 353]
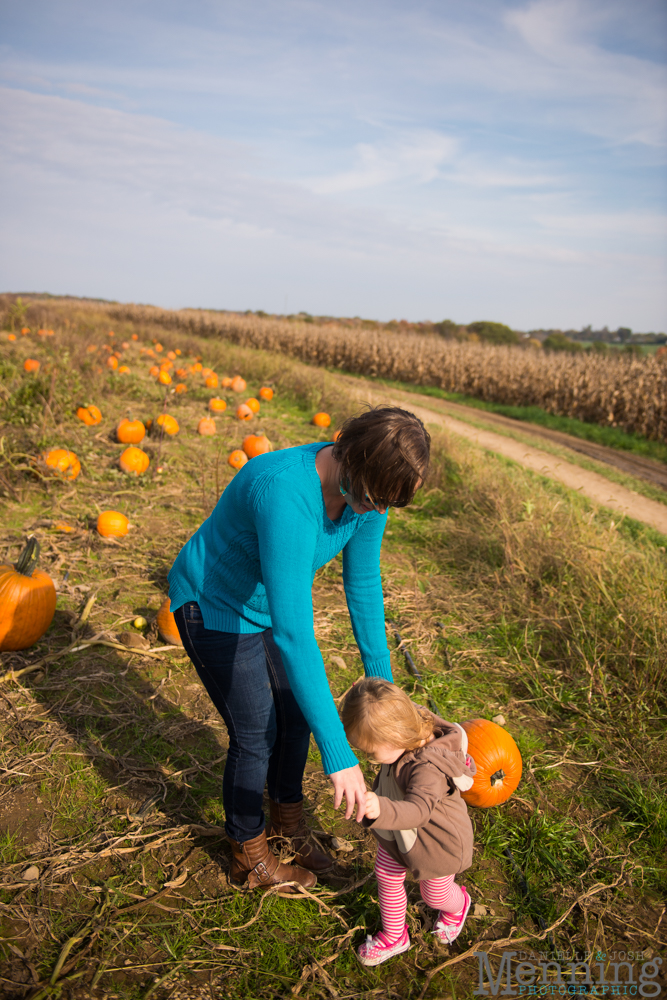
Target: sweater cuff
[379, 668]
[336, 756]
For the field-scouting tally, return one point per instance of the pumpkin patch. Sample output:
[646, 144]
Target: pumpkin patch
[112, 524]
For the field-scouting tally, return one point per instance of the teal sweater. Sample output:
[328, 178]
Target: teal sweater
[251, 566]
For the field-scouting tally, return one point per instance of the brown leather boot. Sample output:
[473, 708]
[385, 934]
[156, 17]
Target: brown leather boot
[255, 866]
[288, 823]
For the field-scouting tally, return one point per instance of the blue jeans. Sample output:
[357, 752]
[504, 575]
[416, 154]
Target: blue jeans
[268, 735]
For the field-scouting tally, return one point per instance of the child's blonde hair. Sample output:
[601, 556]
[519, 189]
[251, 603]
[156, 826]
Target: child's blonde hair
[377, 713]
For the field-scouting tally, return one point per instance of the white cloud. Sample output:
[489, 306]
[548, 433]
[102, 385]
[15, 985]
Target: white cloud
[416, 157]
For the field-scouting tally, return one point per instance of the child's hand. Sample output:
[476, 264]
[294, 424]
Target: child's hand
[372, 810]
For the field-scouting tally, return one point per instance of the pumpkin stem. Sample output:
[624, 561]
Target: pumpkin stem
[497, 777]
[28, 559]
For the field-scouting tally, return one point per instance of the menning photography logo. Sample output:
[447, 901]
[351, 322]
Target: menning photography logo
[600, 974]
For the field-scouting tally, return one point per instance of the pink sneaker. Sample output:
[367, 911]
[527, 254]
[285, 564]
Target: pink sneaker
[448, 926]
[378, 949]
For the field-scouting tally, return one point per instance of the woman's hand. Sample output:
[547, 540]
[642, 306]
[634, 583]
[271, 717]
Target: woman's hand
[372, 805]
[349, 783]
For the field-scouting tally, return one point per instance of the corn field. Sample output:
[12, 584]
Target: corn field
[623, 391]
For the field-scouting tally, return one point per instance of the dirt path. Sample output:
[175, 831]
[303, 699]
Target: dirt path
[591, 484]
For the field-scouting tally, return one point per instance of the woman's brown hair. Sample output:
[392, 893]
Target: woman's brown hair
[383, 452]
[377, 713]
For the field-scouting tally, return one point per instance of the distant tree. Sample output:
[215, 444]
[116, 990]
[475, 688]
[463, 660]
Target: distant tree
[559, 342]
[447, 328]
[624, 333]
[494, 333]
[598, 347]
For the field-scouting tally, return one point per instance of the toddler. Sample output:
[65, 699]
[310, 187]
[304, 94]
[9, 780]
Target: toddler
[415, 810]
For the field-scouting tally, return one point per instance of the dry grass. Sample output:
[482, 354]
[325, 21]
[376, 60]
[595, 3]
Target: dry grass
[626, 392]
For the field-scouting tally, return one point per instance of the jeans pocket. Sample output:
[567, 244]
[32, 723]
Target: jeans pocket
[192, 613]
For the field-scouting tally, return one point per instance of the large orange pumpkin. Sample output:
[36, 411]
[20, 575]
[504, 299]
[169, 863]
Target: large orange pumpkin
[134, 460]
[498, 763]
[169, 424]
[253, 404]
[164, 378]
[226, 382]
[112, 524]
[322, 419]
[31, 365]
[237, 459]
[266, 393]
[256, 444]
[206, 427]
[166, 625]
[112, 362]
[62, 463]
[217, 405]
[90, 415]
[27, 600]
[130, 431]
[237, 384]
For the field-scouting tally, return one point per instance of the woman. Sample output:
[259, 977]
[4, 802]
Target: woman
[240, 591]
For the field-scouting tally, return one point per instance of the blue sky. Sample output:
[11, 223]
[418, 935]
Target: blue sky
[481, 160]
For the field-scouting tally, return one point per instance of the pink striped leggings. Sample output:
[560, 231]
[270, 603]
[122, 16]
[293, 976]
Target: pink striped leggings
[440, 893]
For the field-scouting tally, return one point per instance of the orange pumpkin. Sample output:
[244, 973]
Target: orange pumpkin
[166, 626]
[498, 763]
[180, 387]
[165, 366]
[90, 415]
[336, 435]
[225, 382]
[171, 355]
[134, 460]
[130, 431]
[31, 365]
[25, 330]
[211, 381]
[237, 384]
[243, 412]
[135, 336]
[206, 427]
[111, 524]
[123, 370]
[154, 371]
[237, 459]
[256, 444]
[322, 419]
[112, 362]
[197, 367]
[216, 405]
[253, 404]
[266, 393]
[158, 347]
[182, 372]
[178, 351]
[164, 378]
[63, 526]
[27, 600]
[62, 463]
[11, 336]
[168, 424]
